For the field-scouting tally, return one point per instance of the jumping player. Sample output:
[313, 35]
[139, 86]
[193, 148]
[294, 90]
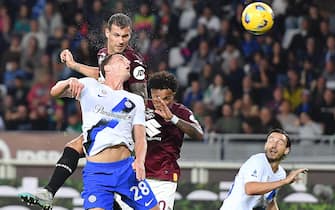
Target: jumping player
[118, 33]
[113, 127]
[261, 175]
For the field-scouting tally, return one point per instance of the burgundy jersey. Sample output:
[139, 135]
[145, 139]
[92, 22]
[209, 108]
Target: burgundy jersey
[164, 143]
[137, 67]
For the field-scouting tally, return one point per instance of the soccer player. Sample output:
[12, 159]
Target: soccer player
[118, 33]
[112, 117]
[261, 175]
[166, 124]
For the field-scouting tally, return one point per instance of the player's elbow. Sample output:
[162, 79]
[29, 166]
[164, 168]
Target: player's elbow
[249, 189]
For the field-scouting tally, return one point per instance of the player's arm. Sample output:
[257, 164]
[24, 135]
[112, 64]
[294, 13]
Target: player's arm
[260, 188]
[272, 205]
[140, 150]
[193, 129]
[67, 88]
[89, 71]
[139, 88]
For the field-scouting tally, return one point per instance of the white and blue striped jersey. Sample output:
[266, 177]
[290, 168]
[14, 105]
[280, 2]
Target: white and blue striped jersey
[108, 116]
[256, 169]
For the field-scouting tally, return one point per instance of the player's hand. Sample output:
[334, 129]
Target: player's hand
[75, 87]
[139, 169]
[294, 175]
[163, 110]
[66, 57]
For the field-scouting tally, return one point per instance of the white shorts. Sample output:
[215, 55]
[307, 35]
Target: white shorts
[164, 192]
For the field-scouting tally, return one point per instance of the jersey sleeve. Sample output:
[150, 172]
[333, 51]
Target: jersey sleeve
[139, 118]
[252, 170]
[87, 82]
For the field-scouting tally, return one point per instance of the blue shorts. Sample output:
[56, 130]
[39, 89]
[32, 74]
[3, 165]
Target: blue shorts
[101, 180]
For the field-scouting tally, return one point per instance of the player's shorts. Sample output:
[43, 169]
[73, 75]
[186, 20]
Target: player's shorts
[101, 180]
[165, 192]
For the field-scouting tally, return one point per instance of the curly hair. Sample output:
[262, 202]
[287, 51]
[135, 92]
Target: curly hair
[163, 80]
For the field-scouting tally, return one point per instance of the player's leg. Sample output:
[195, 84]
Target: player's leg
[65, 167]
[165, 193]
[136, 194]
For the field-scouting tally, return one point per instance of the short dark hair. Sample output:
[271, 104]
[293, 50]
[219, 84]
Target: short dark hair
[120, 20]
[281, 131]
[163, 80]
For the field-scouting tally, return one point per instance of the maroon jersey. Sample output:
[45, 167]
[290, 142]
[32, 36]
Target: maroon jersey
[164, 143]
[137, 67]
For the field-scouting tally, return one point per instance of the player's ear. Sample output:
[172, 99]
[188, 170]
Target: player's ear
[287, 150]
[107, 32]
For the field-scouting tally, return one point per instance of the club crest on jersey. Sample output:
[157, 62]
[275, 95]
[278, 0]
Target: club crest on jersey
[139, 73]
[149, 114]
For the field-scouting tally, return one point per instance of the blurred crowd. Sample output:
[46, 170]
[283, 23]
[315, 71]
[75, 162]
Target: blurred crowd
[234, 82]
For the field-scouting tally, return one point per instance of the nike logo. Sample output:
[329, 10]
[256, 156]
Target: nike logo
[148, 203]
[100, 95]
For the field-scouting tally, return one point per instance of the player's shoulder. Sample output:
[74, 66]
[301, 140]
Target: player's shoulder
[88, 80]
[258, 158]
[134, 96]
[133, 56]
[180, 108]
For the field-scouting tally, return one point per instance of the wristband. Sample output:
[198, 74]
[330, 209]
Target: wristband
[174, 119]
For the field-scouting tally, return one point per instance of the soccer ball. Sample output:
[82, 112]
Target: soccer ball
[257, 18]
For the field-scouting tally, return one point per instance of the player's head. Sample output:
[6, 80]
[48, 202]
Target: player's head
[278, 145]
[118, 32]
[116, 65]
[162, 85]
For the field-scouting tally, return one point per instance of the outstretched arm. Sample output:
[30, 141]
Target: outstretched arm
[67, 88]
[260, 188]
[89, 71]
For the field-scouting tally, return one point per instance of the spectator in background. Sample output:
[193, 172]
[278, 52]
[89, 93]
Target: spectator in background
[308, 74]
[287, 118]
[325, 113]
[318, 90]
[306, 104]
[31, 56]
[12, 53]
[21, 23]
[293, 90]
[329, 73]
[228, 122]
[166, 24]
[96, 15]
[36, 32]
[201, 56]
[16, 117]
[144, 19]
[19, 91]
[308, 128]
[192, 94]
[40, 101]
[206, 76]
[278, 62]
[235, 77]
[210, 20]
[214, 94]
[50, 18]
[268, 121]
[12, 70]
[230, 51]
[277, 99]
